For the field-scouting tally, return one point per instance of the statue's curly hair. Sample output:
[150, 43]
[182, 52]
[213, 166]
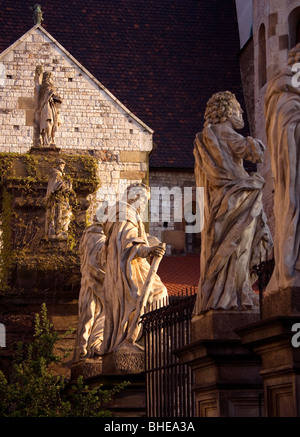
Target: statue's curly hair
[219, 108]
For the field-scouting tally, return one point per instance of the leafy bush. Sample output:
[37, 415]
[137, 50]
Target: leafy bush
[35, 391]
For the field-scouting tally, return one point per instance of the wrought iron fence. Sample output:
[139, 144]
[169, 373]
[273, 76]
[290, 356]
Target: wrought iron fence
[167, 328]
[264, 271]
[168, 383]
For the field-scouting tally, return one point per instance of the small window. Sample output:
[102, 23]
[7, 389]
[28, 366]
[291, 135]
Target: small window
[294, 27]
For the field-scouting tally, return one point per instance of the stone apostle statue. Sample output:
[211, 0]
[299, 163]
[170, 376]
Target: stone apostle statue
[282, 114]
[127, 270]
[47, 114]
[90, 306]
[58, 209]
[235, 232]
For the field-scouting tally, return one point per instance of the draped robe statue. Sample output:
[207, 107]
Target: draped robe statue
[47, 115]
[58, 209]
[91, 300]
[235, 233]
[126, 269]
[282, 114]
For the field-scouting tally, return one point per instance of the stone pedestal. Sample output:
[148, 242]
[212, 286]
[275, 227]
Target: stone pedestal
[220, 325]
[29, 260]
[34, 269]
[87, 368]
[271, 339]
[38, 150]
[226, 373]
[111, 370]
[123, 362]
[114, 363]
[285, 302]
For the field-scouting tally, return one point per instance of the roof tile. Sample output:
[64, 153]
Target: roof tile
[161, 59]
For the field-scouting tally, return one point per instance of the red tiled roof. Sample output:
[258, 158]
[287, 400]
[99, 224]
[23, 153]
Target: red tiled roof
[180, 274]
[161, 59]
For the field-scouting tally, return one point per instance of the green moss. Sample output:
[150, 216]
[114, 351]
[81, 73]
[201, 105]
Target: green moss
[35, 169]
[25, 177]
[6, 252]
[66, 260]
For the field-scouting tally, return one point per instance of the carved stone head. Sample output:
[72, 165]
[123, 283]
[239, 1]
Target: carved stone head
[223, 106]
[138, 195]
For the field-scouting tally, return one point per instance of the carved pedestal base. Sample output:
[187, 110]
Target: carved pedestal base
[51, 267]
[114, 369]
[272, 340]
[124, 361]
[38, 150]
[226, 373]
[220, 325]
[285, 302]
[87, 368]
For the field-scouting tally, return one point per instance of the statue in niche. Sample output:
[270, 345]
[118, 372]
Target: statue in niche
[282, 114]
[47, 103]
[130, 281]
[58, 209]
[235, 235]
[90, 306]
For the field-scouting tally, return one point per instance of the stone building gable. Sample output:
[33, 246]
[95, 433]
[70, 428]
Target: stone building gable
[92, 118]
[163, 60]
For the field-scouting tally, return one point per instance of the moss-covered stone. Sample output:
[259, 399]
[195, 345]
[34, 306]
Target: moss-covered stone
[27, 259]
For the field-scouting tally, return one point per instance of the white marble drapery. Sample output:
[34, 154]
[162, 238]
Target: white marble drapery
[282, 113]
[91, 313]
[125, 274]
[235, 231]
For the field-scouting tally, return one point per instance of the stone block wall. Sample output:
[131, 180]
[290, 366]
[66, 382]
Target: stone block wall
[279, 18]
[92, 119]
[94, 126]
[172, 232]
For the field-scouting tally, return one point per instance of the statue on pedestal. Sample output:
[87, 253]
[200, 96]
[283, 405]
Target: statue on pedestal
[118, 281]
[129, 282]
[282, 114]
[47, 103]
[58, 209]
[91, 310]
[235, 235]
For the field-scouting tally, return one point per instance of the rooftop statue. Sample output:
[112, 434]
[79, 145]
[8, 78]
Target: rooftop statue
[235, 235]
[282, 114]
[37, 14]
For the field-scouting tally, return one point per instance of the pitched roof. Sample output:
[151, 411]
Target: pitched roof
[109, 95]
[161, 59]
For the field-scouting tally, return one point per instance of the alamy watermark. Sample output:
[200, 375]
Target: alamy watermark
[295, 340]
[2, 335]
[296, 69]
[163, 205]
